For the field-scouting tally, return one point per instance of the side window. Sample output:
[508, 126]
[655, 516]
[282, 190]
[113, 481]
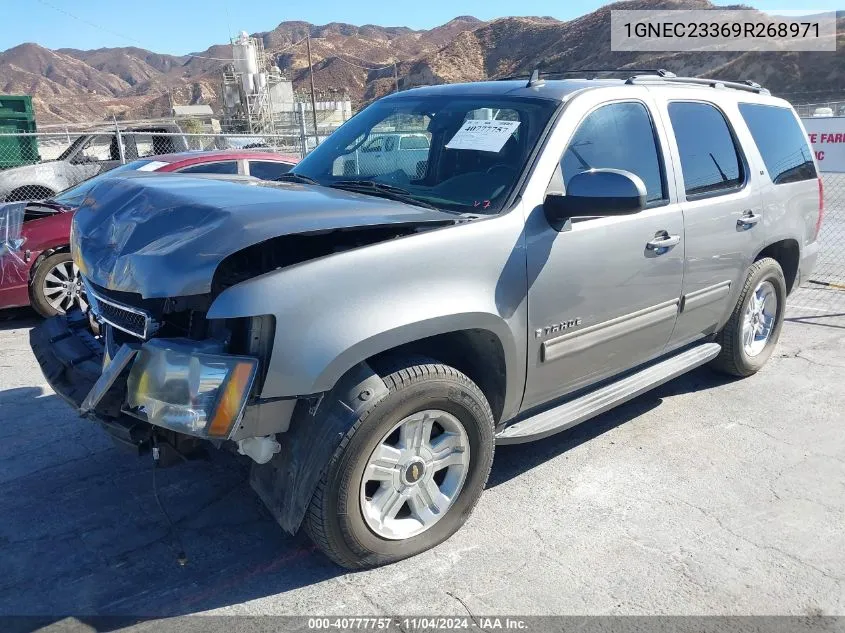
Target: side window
[98, 148]
[710, 161]
[375, 155]
[268, 170]
[373, 146]
[148, 144]
[413, 142]
[617, 136]
[222, 167]
[781, 142]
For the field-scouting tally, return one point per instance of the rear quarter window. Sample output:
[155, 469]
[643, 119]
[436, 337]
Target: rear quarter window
[221, 167]
[268, 170]
[781, 142]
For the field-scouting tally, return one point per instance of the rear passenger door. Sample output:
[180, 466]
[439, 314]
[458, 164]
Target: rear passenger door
[600, 299]
[722, 210]
[413, 155]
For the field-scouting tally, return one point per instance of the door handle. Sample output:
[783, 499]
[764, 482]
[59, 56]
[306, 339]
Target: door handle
[748, 219]
[662, 240]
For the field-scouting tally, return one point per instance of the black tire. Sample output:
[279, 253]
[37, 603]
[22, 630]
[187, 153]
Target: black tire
[335, 521]
[30, 192]
[36, 293]
[733, 359]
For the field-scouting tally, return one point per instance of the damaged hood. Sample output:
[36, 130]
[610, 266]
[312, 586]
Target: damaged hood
[163, 235]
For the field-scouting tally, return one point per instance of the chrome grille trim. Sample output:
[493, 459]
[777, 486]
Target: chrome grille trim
[131, 320]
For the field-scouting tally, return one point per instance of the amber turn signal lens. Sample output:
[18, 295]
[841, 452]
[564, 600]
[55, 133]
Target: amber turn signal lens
[231, 402]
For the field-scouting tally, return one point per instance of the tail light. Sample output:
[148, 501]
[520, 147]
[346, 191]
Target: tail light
[821, 210]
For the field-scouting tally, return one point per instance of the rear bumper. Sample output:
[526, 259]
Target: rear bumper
[809, 255]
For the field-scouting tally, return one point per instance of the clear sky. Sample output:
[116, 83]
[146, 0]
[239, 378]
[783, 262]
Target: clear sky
[183, 26]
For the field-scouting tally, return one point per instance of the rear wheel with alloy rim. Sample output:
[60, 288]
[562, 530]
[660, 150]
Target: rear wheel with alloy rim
[751, 333]
[408, 474]
[759, 320]
[56, 286]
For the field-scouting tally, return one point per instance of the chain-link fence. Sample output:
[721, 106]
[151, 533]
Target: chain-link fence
[37, 165]
[822, 294]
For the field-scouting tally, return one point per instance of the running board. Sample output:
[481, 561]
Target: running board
[591, 404]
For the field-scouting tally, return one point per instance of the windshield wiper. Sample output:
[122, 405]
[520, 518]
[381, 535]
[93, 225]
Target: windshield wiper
[370, 184]
[49, 203]
[292, 177]
[380, 189]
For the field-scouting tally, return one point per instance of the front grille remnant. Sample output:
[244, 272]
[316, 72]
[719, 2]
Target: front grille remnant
[126, 318]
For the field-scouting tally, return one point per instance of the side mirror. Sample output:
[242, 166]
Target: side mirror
[597, 192]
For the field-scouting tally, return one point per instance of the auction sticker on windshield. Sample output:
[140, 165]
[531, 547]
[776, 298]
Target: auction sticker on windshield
[484, 135]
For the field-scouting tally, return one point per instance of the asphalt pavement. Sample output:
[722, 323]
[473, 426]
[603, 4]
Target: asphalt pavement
[706, 496]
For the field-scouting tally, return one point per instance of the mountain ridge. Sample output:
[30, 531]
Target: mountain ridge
[70, 85]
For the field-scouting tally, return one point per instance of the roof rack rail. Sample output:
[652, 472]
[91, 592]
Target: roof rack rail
[748, 86]
[639, 75]
[660, 72]
[538, 75]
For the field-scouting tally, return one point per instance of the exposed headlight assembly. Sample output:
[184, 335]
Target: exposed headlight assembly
[190, 389]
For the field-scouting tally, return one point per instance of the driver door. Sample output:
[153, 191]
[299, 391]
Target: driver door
[600, 299]
[99, 153]
[371, 156]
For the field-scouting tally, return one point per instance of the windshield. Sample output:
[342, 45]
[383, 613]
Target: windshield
[457, 153]
[74, 146]
[74, 196]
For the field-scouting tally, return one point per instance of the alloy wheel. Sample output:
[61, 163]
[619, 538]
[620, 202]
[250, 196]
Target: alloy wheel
[63, 289]
[415, 474]
[759, 320]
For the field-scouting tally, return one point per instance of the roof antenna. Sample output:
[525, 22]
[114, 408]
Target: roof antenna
[535, 79]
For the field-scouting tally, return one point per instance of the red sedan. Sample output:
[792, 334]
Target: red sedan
[36, 268]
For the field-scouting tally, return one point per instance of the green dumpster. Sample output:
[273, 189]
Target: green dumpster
[16, 117]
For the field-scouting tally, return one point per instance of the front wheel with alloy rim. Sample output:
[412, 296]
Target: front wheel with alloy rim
[751, 333]
[408, 474]
[56, 286]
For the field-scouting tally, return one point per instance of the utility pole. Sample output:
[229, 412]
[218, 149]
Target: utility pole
[396, 77]
[313, 99]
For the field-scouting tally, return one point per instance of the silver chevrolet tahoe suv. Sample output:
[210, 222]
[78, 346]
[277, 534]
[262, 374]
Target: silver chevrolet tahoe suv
[367, 339]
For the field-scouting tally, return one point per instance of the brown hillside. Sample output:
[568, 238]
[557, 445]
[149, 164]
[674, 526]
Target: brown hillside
[129, 82]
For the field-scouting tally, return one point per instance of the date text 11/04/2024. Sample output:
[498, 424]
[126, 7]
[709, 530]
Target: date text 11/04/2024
[426, 623]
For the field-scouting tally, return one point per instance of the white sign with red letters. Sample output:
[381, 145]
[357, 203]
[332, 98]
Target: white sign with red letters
[827, 136]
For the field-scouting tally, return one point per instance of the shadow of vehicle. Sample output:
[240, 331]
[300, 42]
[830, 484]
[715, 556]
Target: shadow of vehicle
[81, 532]
[515, 459]
[834, 320]
[18, 318]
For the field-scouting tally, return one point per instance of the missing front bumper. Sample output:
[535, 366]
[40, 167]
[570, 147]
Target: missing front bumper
[71, 359]
[125, 388]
